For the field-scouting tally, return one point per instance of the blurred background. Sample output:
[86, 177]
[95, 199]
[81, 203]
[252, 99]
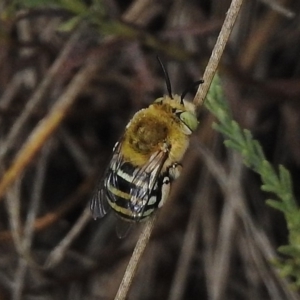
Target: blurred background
[96, 61]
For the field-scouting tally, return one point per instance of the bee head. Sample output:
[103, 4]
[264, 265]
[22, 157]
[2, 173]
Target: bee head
[182, 109]
[188, 116]
[184, 112]
[189, 121]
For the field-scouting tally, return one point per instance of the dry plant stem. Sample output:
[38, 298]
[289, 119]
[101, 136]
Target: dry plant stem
[36, 197]
[198, 100]
[278, 7]
[258, 39]
[19, 279]
[76, 152]
[217, 52]
[8, 95]
[257, 236]
[273, 288]
[228, 228]
[47, 126]
[135, 10]
[56, 255]
[37, 96]
[14, 211]
[25, 256]
[135, 259]
[52, 217]
[190, 241]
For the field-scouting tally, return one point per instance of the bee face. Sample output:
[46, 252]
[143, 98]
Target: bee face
[183, 110]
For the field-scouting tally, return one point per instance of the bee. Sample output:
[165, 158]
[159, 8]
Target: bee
[146, 160]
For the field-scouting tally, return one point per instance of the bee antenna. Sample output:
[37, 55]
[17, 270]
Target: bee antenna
[167, 78]
[191, 86]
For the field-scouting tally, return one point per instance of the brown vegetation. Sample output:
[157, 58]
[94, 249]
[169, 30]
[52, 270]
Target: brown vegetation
[65, 98]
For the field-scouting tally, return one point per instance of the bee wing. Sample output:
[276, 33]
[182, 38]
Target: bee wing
[144, 181]
[123, 228]
[98, 204]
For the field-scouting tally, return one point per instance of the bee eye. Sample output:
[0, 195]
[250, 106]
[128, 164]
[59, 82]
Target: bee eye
[189, 120]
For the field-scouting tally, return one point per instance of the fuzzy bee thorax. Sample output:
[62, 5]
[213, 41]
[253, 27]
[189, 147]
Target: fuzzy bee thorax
[148, 131]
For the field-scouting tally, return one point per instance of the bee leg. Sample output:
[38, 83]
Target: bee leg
[165, 190]
[175, 170]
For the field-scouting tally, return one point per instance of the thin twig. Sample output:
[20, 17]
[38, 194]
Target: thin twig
[38, 95]
[36, 197]
[19, 279]
[228, 228]
[189, 243]
[80, 157]
[25, 257]
[236, 200]
[217, 52]
[14, 212]
[135, 259]
[57, 255]
[51, 218]
[8, 95]
[278, 7]
[259, 37]
[198, 100]
[47, 126]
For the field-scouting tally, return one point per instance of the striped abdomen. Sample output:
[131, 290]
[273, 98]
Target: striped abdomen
[130, 194]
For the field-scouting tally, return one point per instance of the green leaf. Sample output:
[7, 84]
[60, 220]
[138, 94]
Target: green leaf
[233, 145]
[70, 24]
[279, 183]
[285, 178]
[290, 250]
[276, 204]
[75, 6]
[36, 3]
[268, 187]
[222, 129]
[269, 175]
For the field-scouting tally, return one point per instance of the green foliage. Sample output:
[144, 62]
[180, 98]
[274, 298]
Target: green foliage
[277, 182]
